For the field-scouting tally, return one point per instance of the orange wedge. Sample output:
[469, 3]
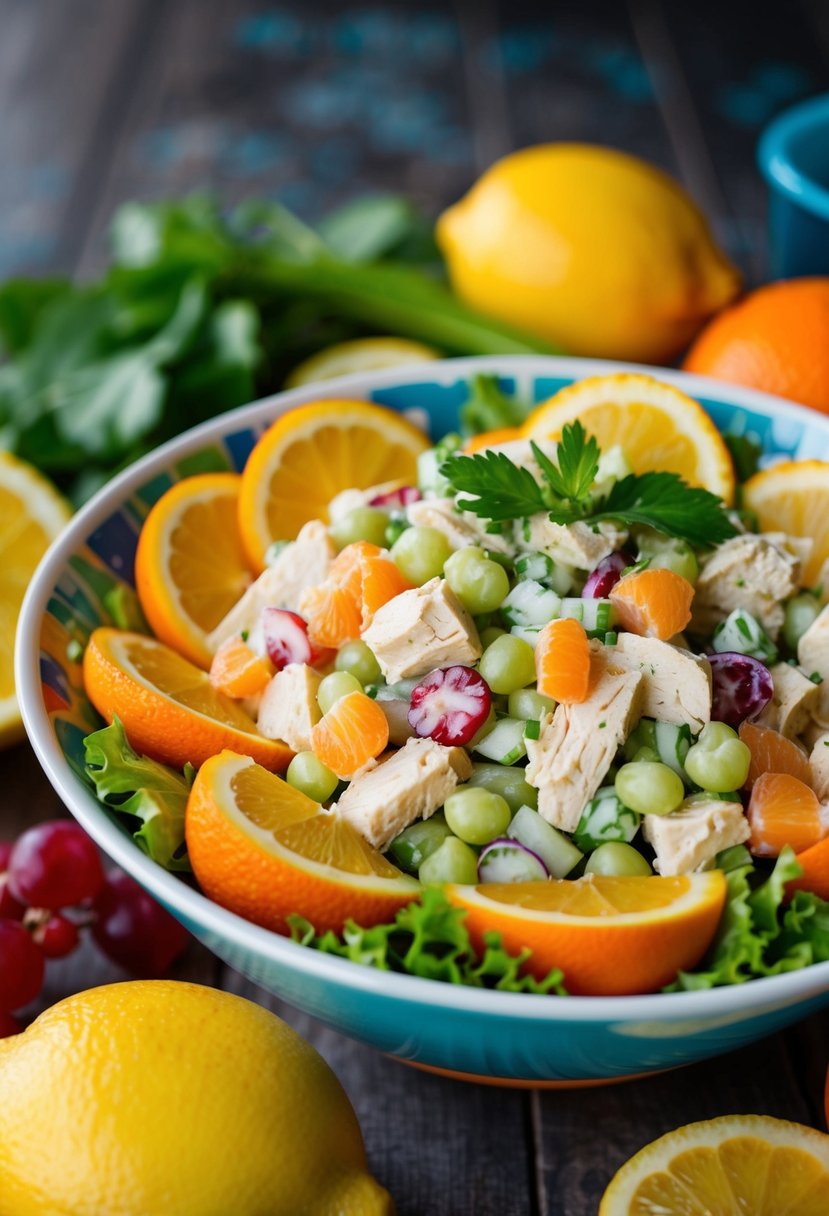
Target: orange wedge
[610, 936]
[793, 497]
[354, 731]
[264, 850]
[653, 603]
[562, 661]
[190, 567]
[751, 1164]
[772, 752]
[783, 810]
[312, 453]
[657, 425]
[169, 708]
[815, 865]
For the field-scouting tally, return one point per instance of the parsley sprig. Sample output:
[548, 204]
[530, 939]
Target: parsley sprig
[495, 488]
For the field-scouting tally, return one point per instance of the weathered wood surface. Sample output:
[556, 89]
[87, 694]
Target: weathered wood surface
[104, 100]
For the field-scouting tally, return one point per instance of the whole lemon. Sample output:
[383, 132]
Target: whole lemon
[592, 249]
[158, 1097]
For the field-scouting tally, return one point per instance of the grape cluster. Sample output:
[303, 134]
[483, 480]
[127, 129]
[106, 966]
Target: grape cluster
[52, 887]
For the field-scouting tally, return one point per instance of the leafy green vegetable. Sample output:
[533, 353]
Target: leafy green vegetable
[202, 311]
[746, 453]
[144, 789]
[489, 408]
[429, 939]
[759, 935]
[502, 490]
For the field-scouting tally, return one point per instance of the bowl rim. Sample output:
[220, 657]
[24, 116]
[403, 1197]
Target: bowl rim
[775, 991]
[774, 155]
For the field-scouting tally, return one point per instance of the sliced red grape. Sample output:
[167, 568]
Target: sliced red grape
[8, 1026]
[54, 865]
[605, 576]
[286, 638]
[396, 499]
[21, 967]
[450, 705]
[507, 860]
[742, 689]
[56, 936]
[135, 931]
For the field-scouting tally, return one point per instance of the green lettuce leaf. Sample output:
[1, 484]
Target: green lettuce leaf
[429, 939]
[144, 789]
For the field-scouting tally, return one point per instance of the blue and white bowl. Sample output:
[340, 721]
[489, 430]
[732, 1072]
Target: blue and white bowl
[519, 1037]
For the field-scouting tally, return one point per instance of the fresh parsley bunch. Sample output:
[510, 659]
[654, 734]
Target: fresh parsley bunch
[500, 490]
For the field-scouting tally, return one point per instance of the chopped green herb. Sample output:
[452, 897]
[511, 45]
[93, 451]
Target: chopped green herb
[489, 408]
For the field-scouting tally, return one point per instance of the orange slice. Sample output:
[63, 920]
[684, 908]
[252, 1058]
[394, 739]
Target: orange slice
[793, 497]
[264, 850]
[783, 810]
[738, 1163]
[659, 427]
[169, 708]
[562, 661]
[190, 567]
[653, 603]
[610, 936]
[815, 865]
[772, 752]
[312, 453]
[354, 731]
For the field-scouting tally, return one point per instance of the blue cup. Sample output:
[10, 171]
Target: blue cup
[793, 155]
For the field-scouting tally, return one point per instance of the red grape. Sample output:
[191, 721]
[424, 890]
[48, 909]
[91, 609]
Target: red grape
[396, 499]
[133, 930]
[21, 966]
[54, 865]
[9, 906]
[286, 638]
[8, 1026]
[742, 687]
[56, 936]
[602, 580]
[450, 705]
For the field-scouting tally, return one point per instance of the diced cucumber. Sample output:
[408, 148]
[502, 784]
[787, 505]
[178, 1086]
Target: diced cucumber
[530, 636]
[532, 729]
[504, 743]
[743, 633]
[672, 744]
[530, 605]
[510, 783]
[418, 841]
[643, 736]
[605, 818]
[541, 568]
[510, 861]
[526, 703]
[613, 466]
[558, 853]
[597, 615]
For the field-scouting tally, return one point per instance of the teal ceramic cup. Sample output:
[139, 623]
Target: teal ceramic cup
[793, 155]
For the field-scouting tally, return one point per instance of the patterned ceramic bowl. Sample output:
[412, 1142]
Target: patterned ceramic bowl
[519, 1037]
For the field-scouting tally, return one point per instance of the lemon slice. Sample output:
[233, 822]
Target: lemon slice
[659, 427]
[793, 497]
[32, 513]
[722, 1167]
[359, 355]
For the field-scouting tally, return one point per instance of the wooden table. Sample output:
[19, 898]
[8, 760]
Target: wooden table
[103, 100]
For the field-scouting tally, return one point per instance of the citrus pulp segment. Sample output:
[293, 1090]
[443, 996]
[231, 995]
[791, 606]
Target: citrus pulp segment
[658, 426]
[190, 567]
[266, 851]
[359, 355]
[312, 453]
[610, 936]
[169, 708]
[749, 1164]
[793, 497]
[32, 513]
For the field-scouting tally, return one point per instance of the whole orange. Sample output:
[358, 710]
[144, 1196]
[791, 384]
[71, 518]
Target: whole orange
[775, 338]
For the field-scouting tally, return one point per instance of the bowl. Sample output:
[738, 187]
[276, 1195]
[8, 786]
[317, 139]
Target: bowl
[520, 1038]
[793, 154]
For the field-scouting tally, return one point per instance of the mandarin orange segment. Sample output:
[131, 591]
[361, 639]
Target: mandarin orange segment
[238, 671]
[354, 731]
[190, 567]
[562, 661]
[653, 603]
[772, 752]
[815, 865]
[381, 582]
[266, 851]
[610, 936]
[332, 615]
[168, 706]
[783, 810]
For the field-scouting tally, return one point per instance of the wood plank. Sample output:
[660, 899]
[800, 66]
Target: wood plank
[439, 1146]
[61, 73]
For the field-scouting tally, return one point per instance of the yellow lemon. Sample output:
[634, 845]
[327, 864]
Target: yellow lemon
[359, 355]
[157, 1096]
[592, 249]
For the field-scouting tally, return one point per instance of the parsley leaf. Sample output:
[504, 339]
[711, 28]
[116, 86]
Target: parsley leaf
[667, 503]
[502, 490]
[578, 462]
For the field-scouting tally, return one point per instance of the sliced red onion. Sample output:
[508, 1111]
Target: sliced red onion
[396, 499]
[602, 580]
[743, 687]
[507, 860]
[450, 705]
[286, 638]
